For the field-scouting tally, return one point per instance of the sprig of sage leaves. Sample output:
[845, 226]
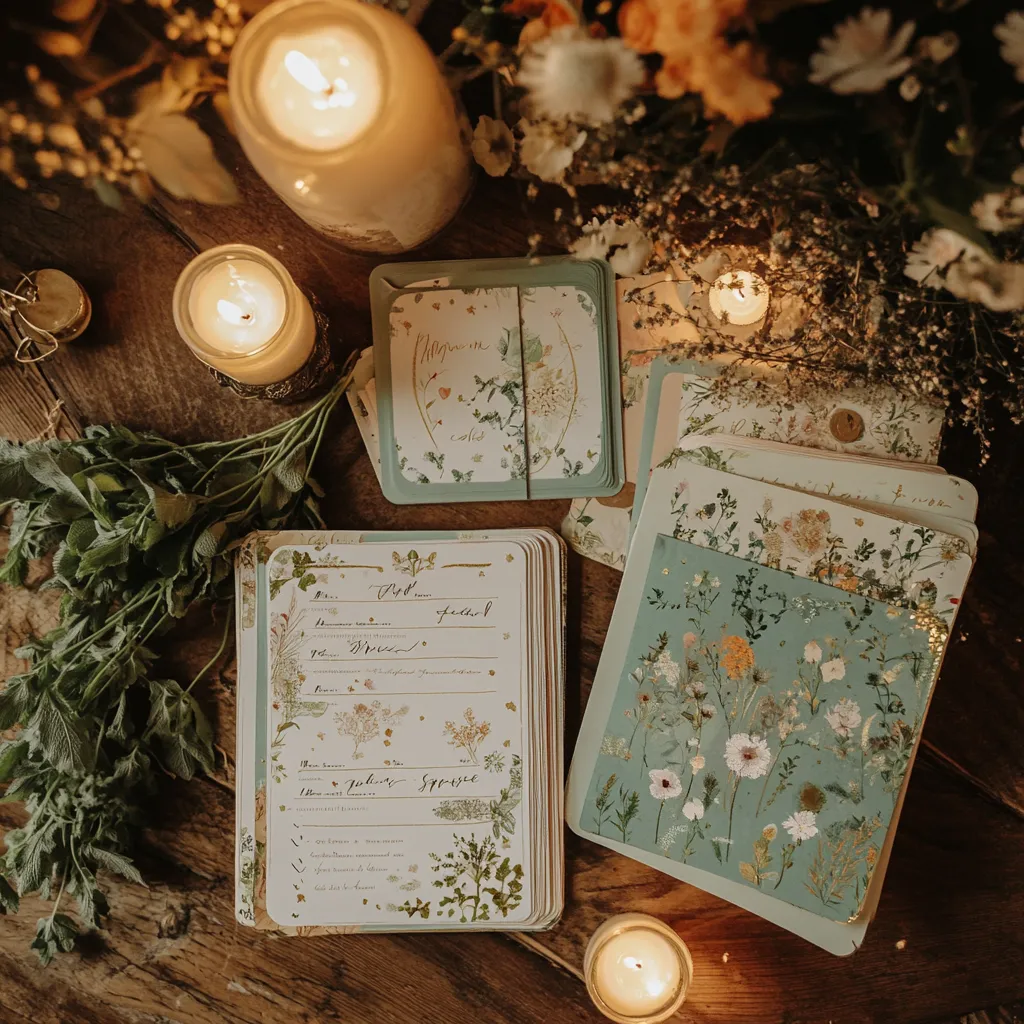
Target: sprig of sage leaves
[141, 529]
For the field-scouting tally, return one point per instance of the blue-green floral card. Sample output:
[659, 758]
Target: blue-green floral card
[751, 730]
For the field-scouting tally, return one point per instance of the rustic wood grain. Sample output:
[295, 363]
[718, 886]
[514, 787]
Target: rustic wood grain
[955, 889]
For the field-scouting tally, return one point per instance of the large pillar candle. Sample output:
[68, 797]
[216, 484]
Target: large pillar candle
[342, 109]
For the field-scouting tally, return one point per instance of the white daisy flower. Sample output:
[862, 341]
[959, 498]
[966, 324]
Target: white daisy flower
[747, 756]
[800, 826]
[941, 258]
[1000, 286]
[861, 56]
[624, 245]
[493, 146]
[1011, 34]
[999, 211]
[592, 244]
[665, 784]
[693, 810]
[570, 76]
[843, 717]
[812, 652]
[547, 151]
[833, 670]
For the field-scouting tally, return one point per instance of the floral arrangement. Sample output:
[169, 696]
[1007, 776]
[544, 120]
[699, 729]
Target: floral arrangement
[866, 163]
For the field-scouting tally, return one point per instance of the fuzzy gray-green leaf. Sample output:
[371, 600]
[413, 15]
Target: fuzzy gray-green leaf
[292, 471]
[104, 553]
[209, 541]
[60, 734]
[115, 862]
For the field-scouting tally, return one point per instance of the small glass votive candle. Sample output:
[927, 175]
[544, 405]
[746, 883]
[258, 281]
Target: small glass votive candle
[739, 297]
[637, 969]
[240, 312]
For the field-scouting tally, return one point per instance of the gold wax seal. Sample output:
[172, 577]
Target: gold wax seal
[58, 305]
[846, 425]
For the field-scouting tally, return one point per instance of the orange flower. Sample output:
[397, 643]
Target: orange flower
[687, 26]
[544, 15]
[737, 657]
[731, 83]
[638, 23]
[673, 78]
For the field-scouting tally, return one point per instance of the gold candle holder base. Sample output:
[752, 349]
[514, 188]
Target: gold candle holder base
[311, 376]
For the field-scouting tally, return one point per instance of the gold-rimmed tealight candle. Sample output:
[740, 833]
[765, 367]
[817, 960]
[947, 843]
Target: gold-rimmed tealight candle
[739, 297]
[342, 109]
[637, 969]
[240, 312]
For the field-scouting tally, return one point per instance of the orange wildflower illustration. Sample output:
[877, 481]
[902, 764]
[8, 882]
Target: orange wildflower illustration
[737, 656]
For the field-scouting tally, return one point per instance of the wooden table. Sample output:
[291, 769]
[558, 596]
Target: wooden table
[948, 936]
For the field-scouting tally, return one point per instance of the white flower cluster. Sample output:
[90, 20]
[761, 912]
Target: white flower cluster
[941, 258]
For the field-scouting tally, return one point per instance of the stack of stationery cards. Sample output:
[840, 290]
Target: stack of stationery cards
[773, 651]
[892, 427]
[492, 380]
[399, 743]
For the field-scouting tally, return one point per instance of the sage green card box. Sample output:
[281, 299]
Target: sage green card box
[464, 293]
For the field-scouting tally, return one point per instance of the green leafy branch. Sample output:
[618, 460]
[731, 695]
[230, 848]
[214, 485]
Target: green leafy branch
[142, 529]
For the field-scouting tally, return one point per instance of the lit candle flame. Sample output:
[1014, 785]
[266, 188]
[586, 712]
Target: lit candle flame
[305, 71]
[231, 313]
[308, 74]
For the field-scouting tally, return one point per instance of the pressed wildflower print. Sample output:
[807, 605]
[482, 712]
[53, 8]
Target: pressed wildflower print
[412, 563]
[363, 723]
[903, 564]
[562, 366]
[499, 813]
[467, 735]
[476, 882]
[763, 723]
[286, 679]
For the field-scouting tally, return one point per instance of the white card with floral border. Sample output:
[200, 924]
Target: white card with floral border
[399, 731]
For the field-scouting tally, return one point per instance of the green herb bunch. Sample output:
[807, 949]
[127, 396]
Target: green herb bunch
[142, 529]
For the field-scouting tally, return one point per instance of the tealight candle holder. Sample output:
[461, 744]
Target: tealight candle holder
[637, 969]
[342, 109]
[739, 297]
[240, 312]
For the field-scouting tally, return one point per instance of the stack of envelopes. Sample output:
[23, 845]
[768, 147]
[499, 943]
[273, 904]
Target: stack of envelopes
[774, 647]
[492, 380]
[399, 740]
[654, 320]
